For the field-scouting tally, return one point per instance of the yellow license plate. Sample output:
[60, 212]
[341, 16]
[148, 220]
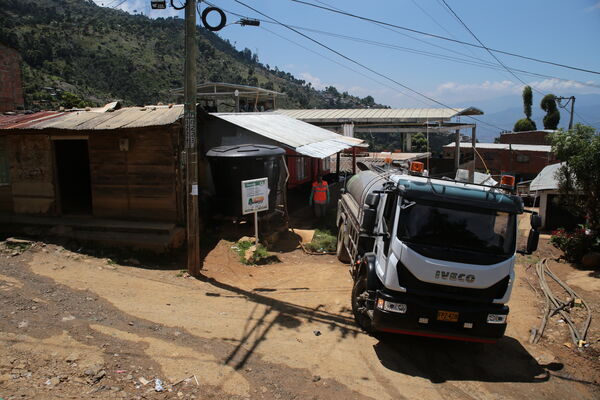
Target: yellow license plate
[450, 316]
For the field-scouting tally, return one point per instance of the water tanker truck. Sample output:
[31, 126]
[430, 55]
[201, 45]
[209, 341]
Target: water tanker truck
[430, 257]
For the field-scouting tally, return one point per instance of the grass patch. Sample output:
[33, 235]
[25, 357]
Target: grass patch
[260, 256]
[323, 241]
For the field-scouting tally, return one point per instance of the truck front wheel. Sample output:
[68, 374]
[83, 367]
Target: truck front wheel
[341, 250]
[360, 307]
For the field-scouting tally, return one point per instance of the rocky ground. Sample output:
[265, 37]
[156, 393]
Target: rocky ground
[76, 323]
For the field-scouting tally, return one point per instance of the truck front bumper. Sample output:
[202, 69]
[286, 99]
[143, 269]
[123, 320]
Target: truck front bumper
[422, 318]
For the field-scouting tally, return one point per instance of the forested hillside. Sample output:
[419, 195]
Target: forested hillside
[76, 53]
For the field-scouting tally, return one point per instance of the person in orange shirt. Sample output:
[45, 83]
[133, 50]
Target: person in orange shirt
[319, 196]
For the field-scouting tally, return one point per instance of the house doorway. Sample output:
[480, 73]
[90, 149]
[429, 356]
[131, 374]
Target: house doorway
[73, 176]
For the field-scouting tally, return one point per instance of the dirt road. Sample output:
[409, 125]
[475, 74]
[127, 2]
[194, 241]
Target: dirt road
[78, 326]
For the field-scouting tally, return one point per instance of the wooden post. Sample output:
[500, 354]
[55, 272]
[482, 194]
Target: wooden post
[337, 164]
[473, 145]
[191, 141]
[256, 228]
[457, 151]
[354, 160]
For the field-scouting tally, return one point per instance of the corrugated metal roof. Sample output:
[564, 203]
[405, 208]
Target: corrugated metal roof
[546, 179]
[304, 138]
[381, 115]
[501, 146]
[20, 121]
[131, 117]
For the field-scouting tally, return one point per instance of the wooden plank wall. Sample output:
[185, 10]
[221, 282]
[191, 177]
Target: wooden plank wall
[137, 184]
[6, 204]
[31, 173]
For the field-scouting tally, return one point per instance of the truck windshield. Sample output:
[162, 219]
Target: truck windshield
[486, 231]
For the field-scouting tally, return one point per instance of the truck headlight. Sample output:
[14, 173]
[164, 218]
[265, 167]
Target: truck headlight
[399, 308]
[496, 318]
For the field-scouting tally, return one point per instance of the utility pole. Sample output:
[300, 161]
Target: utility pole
[572, 100]
[191, 141]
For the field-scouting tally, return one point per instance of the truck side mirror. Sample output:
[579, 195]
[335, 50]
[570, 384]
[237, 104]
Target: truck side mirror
[368, 220]
[535, 221]
[533, 240]
[372, 200]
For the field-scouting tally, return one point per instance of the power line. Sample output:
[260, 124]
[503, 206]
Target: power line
[362, 65]
[445, 38]
[479, 63]
[486, 48]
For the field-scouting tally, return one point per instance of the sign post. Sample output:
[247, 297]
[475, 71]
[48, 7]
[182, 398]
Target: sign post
[255, 198]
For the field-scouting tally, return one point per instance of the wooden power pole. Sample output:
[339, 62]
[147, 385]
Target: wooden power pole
[191, 141]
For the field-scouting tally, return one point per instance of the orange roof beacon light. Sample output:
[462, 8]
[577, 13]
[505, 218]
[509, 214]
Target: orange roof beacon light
[507, 182]
[417, 167]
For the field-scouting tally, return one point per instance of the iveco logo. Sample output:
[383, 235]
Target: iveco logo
[453, 276]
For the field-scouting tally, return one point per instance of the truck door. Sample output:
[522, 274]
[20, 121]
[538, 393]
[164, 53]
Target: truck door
[385, 228]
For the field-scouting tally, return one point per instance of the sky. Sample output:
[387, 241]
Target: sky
[561, 31]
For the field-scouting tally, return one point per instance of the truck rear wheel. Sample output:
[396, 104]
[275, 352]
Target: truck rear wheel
[341, 251]
[359, 303]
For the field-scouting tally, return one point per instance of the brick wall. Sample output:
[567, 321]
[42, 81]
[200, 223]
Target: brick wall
[522, 164]
[11, 87]
[528, 137]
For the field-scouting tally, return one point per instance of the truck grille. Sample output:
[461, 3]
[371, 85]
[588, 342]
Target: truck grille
[418, 287]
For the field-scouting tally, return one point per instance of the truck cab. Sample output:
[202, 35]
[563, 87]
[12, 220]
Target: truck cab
[429, 257]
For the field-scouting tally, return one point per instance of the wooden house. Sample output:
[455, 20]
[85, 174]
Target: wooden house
[109, 175]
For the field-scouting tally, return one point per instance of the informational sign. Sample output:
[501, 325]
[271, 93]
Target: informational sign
[255, 195]
[189, 126]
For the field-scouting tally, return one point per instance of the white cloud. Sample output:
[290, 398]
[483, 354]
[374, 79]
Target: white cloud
[315, 81]
[454, 92]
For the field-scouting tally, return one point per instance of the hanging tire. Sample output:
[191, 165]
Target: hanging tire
[341, 251]
[359, 303]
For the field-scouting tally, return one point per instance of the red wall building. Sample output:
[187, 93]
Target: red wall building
[527, 137]
[11, 87]
[524, 161]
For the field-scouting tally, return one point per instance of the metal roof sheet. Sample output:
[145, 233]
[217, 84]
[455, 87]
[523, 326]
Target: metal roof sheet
[131, 117]
[20, 121]
[380, 115]
[304, 138]
[546, 179]
[501, 146]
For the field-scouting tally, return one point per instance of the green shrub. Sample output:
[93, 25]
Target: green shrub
[575, 244]
[261, 254]
[323, 241]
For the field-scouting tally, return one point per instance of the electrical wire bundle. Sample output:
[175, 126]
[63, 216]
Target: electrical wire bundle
[555, 305]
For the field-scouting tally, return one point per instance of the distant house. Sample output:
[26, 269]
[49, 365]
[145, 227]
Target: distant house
[524, 161]
[526, 137]
[545, 188]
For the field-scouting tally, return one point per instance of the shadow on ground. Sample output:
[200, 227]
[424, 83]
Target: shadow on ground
[441, 360]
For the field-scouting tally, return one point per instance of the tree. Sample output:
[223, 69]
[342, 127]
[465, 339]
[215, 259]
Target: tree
[419, 142]
[552, 117]
[526, 124]
[579, 178]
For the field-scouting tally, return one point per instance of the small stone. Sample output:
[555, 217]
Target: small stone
[143, 380]
[180, 394]
[130, 323]
[53, 381]
[68, 318]
[129, 377]
[23, 324]
[316, 378]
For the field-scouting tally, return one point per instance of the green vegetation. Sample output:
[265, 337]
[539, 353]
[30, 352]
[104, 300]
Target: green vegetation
[76, 53]
[579, 178]
[393, 141]
[257, 256]
[552, 117]
[526, 124]
[324, 240]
